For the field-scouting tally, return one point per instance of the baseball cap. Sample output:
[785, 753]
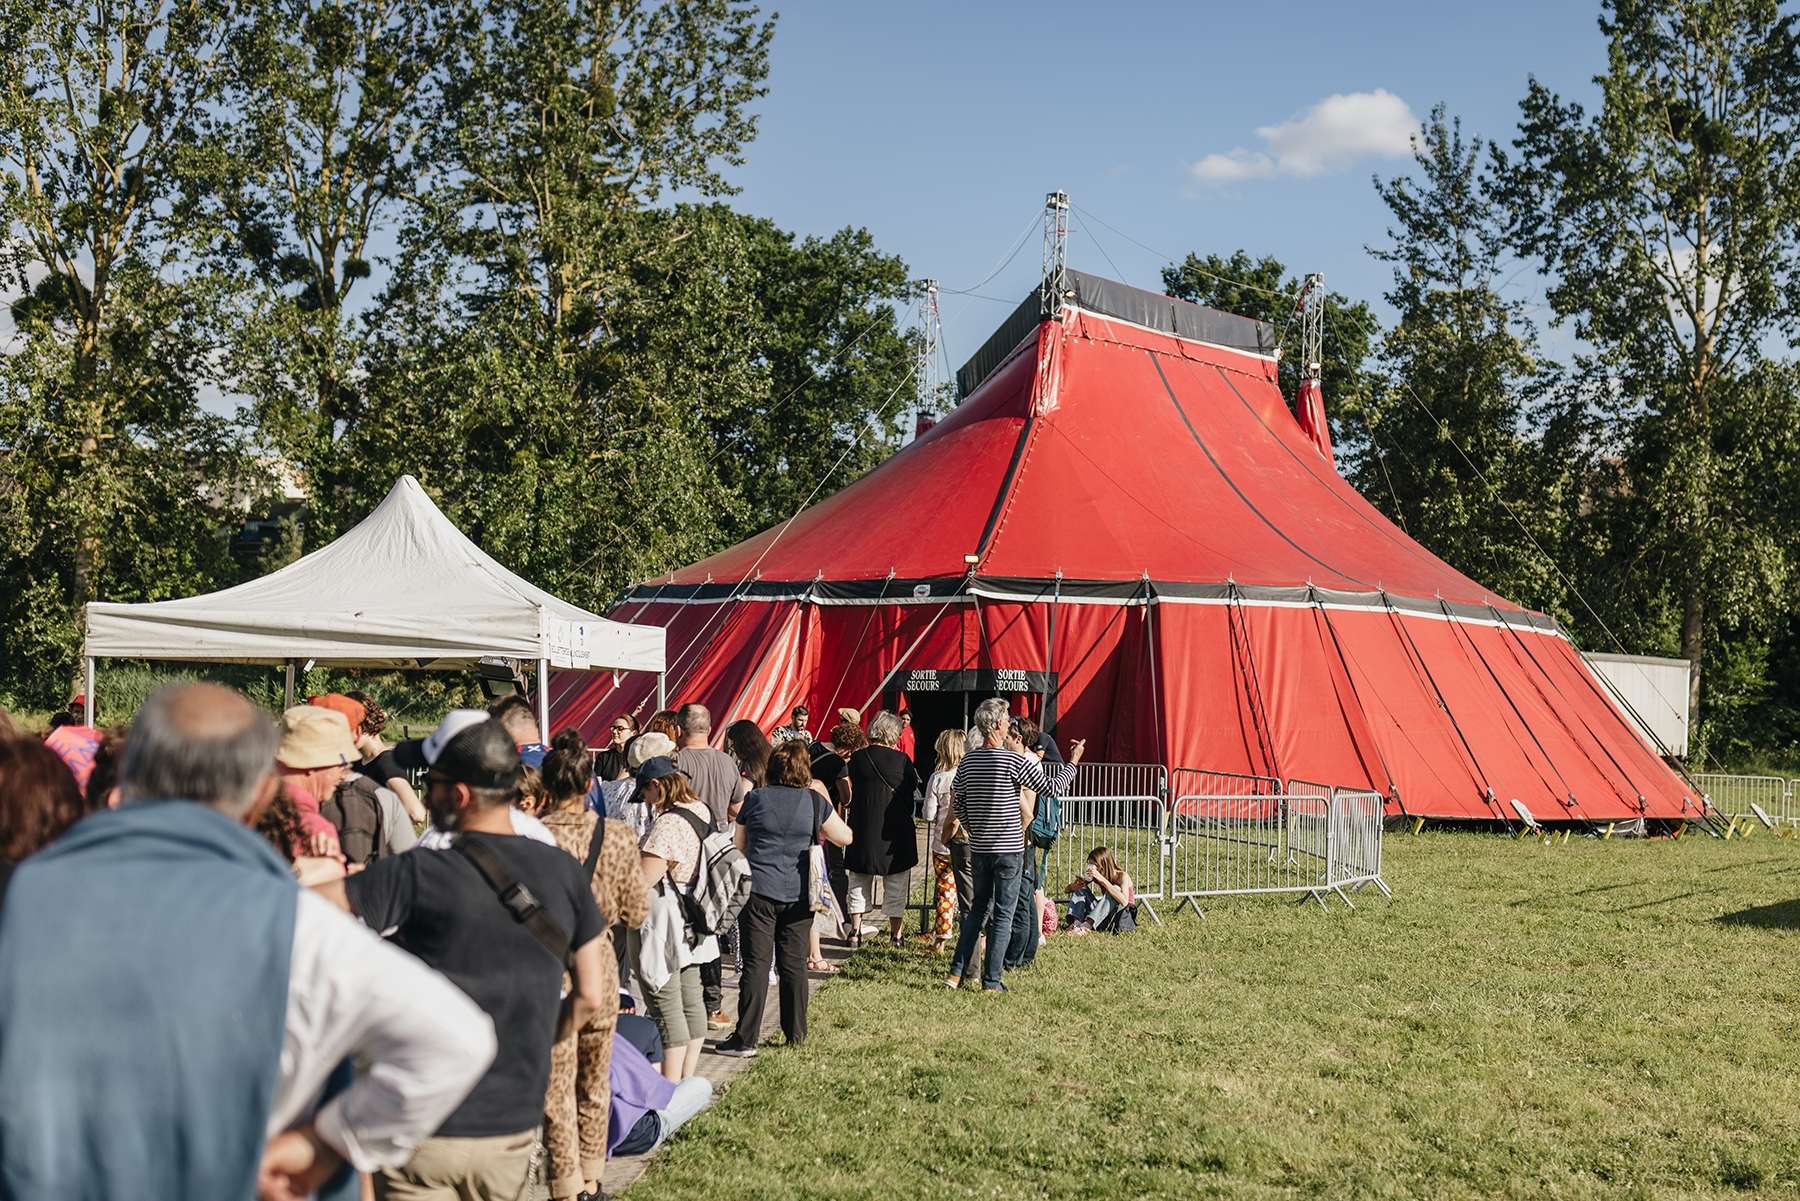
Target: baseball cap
[312, 737]
[657, 767]
[353, 710]
[469, 747]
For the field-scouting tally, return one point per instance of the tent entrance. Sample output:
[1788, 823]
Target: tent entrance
[945, 699]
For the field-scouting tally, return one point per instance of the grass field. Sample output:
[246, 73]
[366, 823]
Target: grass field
[1591, 1020]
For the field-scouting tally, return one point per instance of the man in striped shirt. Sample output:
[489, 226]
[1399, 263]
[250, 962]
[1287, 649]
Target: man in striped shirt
[988, 806]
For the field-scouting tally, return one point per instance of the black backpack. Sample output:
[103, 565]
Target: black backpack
[355, 810]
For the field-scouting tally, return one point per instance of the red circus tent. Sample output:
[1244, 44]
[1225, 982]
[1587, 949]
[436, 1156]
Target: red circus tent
[1123, 527]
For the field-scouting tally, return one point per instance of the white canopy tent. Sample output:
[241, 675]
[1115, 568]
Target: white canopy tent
[404, 588]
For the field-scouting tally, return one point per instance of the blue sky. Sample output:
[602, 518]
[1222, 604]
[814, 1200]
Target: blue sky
[940, 126]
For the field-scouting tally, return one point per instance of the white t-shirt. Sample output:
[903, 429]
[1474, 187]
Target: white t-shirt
[523, 824]
[937, 804]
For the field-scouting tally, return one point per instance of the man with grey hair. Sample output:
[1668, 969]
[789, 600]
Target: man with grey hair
[987, 794]
[189, 996]
[719, 784]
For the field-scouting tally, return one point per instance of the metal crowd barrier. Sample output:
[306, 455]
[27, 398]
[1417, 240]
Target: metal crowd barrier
[1132, 827]
[1119, 780]
[1740, 796]
[1216, 834]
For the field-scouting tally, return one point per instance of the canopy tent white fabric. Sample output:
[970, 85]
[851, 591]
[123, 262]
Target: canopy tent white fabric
[403, 588]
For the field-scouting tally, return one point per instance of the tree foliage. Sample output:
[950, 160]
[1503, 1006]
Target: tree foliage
[1668, 223]
[1451, 453]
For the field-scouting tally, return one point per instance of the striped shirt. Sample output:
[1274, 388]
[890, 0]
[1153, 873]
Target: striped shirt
[986, 793]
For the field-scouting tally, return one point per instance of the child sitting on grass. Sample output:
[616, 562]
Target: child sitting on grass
[1113, 908]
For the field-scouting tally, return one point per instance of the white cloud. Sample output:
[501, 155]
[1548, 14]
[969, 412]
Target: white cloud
[1330, 136]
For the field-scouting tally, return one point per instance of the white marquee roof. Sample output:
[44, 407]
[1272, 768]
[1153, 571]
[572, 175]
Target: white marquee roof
[403, 588]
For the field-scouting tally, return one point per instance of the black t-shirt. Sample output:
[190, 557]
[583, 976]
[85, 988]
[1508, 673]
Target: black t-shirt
[385, 767]
[446, 914]
[827, 764]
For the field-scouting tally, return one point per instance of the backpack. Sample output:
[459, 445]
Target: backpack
[721, 883]
[355, 810]
[1046, 823]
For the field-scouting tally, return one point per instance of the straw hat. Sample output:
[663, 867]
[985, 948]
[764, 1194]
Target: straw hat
[313, 737]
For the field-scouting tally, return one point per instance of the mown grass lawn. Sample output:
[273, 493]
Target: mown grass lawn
[1590, 1020]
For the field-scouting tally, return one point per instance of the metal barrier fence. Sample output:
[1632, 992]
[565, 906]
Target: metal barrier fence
[1119, 780]
[1734, 795]
[1216, 834]
[1356, 817]
[1134, 828]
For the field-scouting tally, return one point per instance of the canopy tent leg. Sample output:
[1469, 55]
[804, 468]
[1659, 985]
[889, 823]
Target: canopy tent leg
[91, 716]
[287, 684]
[662, 691]
[543, 699]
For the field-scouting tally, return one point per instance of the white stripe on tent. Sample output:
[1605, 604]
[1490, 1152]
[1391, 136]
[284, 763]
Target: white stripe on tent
[985, 593]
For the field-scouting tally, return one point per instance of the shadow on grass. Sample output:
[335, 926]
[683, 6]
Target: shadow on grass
[1783, 915]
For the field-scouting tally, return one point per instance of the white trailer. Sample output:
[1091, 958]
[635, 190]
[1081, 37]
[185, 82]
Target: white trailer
[1652, 694]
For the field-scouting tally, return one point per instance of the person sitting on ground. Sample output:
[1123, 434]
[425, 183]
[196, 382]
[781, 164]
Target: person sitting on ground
[459, 912]
[207, 1076]
[884, 790]
[378, 759]
[671, 953]
[777, 828]
[1102, 896]
[575, 1117]
[795, 730]
[647, 1109]
[38, 801]
[949, 845]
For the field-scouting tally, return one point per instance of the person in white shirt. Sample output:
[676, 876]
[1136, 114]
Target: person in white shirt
[189, 995]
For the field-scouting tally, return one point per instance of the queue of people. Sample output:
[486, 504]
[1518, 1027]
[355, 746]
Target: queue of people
[437, 986]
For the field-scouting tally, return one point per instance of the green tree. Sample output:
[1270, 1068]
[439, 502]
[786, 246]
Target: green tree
[1263, 289]
[1451, 453]
[328, 102]
[840, 371]
[1667, 223]
[113, 480]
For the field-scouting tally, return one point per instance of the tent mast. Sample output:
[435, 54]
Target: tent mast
[1056, 254]
[1309, 404]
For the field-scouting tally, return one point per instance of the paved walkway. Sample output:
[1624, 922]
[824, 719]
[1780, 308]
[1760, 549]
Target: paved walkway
[624, 1171]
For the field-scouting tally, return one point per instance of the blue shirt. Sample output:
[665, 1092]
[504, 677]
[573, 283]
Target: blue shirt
[780, 826]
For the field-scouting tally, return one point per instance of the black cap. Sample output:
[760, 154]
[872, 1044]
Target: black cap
[468, 747]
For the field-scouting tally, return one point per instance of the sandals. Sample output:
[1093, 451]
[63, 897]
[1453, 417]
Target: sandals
[823, 967]
[899, 940]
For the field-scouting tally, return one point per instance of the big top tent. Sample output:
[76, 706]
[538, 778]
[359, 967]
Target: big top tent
[1124, 526]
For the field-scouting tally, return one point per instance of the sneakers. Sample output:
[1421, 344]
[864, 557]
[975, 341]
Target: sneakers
[995, 988]
[720, 1021]
[735, 1049]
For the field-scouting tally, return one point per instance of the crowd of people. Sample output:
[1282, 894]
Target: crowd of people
[288, 958]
